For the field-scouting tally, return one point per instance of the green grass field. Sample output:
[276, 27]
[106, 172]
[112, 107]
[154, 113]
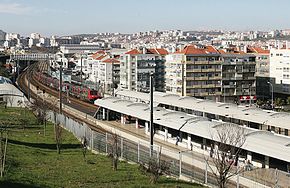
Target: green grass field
[32, 161]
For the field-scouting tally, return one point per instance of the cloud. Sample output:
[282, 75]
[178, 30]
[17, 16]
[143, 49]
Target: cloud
[14, 8]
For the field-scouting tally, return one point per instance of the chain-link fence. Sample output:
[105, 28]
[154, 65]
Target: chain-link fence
[181, 164]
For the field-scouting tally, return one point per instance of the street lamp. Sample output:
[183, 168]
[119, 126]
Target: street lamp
[250, 94]
[151, 114]
[272, 104]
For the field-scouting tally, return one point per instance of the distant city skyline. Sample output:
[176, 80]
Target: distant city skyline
[130, 16]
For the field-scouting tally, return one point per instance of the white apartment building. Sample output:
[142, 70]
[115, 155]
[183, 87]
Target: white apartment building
[280, 65]
[136, 67]
[96, 58]
[108, 73]
[280, 70]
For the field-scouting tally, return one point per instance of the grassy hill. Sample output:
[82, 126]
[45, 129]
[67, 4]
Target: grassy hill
[32, 160]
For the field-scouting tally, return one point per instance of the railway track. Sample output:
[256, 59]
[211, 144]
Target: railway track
[82, 106]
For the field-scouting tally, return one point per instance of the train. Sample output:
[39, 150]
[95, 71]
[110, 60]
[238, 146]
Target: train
[82, 92]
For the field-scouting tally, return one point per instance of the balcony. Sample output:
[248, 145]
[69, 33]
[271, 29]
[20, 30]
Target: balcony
[229, 86]
[204, 62]
[193, 87]
[215, 78]
[210, 86]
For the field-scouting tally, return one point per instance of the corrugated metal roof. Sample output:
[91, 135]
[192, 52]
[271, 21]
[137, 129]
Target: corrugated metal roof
[258, 141]
[251, 114]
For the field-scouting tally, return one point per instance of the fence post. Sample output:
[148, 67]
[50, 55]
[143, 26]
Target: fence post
[238, 175]
[158, 152]
[180, 158]
[106, 142]
[138, 152]
[122, 147]
[205, 175]
[92, 140]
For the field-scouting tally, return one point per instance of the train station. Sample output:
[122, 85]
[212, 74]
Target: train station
[262, 148]
[250, 116]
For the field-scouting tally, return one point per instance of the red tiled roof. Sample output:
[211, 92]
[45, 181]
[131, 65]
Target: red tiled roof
[111, 60]
[191, 49]
[100, 57]
[100, 52]
[258, 50]
[133, 52]
[231, 51]
[159, 51]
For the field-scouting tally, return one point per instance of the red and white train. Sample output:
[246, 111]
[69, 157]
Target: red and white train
[81, 92]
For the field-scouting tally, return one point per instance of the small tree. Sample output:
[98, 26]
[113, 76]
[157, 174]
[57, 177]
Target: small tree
[288, 100]
[84, 146]
[41, 109]
[58, 136]
[3, 149]
[114, 153]
[260, 102]
[278, 103]
[155, 168]
[228, 141]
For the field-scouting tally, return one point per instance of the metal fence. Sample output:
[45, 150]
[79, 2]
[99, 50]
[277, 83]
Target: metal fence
[181, 164]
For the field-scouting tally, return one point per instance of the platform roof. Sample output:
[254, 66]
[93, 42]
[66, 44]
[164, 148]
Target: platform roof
[246, 113]
[9, 89]
[262, 142]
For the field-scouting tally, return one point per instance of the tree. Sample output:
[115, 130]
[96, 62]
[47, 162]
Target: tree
[288, 100]
[41, 109]
[260, 102]
[228, 140]
[3, 149]
[58, 136]
[84, 146]
[114, 152]
[155, 168]
[278, 103]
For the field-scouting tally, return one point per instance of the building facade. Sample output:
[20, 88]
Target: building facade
[280, 70]
[194, 71]
[238, 76]
[203, 71]
[136, 67]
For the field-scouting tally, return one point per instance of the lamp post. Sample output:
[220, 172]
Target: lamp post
[60, 88]
[151, 114]
[250, 94]
[272, 103]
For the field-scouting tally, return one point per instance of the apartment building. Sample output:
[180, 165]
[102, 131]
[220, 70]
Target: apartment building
[238, 80]
[262, 71]
[96, 58]
[280, 69]
[194, 71]
[109, 74]
[226, 75]
[136, 66]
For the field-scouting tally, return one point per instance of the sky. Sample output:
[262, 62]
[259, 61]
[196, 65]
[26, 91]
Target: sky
[66, 17]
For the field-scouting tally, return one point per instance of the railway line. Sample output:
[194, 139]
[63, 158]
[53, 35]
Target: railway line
[72, 102]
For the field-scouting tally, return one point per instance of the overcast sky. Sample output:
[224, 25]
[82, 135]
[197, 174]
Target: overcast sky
[63, 17]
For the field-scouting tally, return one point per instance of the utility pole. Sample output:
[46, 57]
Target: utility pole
[250, 94]
[151, 115]
[28, 69]
[60, 88]
[81, 79]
